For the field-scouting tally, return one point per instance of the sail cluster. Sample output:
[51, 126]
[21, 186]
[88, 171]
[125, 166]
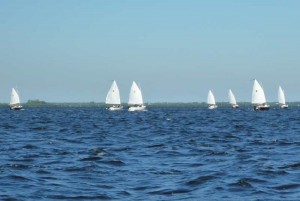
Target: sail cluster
[136, 99]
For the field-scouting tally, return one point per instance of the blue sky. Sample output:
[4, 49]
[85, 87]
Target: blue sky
[71, 50]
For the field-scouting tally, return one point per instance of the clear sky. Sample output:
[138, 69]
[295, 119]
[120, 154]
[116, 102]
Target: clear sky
[71, 50]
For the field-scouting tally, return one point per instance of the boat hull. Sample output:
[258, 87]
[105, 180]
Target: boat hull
[261, 107]
[114, 108]
[211, 107]
[137, 108]
[16, 107]
[235, 106]
[284, 106]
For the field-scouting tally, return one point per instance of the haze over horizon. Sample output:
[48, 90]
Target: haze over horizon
[71, 50]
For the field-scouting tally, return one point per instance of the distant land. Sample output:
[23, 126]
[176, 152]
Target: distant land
[39, 103]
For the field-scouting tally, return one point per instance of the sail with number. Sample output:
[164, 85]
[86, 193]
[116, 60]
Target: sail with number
[135, 95]
[258, 98]
[258, 94]
[113, 95]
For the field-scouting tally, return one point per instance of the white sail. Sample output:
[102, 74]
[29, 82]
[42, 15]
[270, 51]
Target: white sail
[135, 95]
[231, 98]
[281, 97]
[113, 95]
[258, 95]
[211, 98]
[14, 98]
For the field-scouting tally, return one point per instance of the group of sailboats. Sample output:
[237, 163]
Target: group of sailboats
[212, 102]
[258, 98]
[135, 102]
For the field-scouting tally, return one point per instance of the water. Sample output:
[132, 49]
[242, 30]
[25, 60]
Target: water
[163, 154]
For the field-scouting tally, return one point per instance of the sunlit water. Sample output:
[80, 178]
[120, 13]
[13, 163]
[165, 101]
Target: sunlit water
[162, 154]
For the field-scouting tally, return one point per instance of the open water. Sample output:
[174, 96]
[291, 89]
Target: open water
[170, 153]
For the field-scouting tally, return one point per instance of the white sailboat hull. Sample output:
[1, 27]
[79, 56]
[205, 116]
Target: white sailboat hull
[211, 107]
[16, 107]
[137, 108]
[235, 106]
[261, 107]
[284, 106]
[114, 108]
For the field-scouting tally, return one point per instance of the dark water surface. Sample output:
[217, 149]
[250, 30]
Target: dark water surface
[162, 154]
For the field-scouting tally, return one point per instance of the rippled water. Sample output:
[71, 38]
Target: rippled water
[162, 154]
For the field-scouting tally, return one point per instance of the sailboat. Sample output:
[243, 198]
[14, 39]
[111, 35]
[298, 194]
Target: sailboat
[281, 98]
[113, 97]
[211, 100]
[232, 100]
[14, 103]
[135, 101]
[258, 97]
